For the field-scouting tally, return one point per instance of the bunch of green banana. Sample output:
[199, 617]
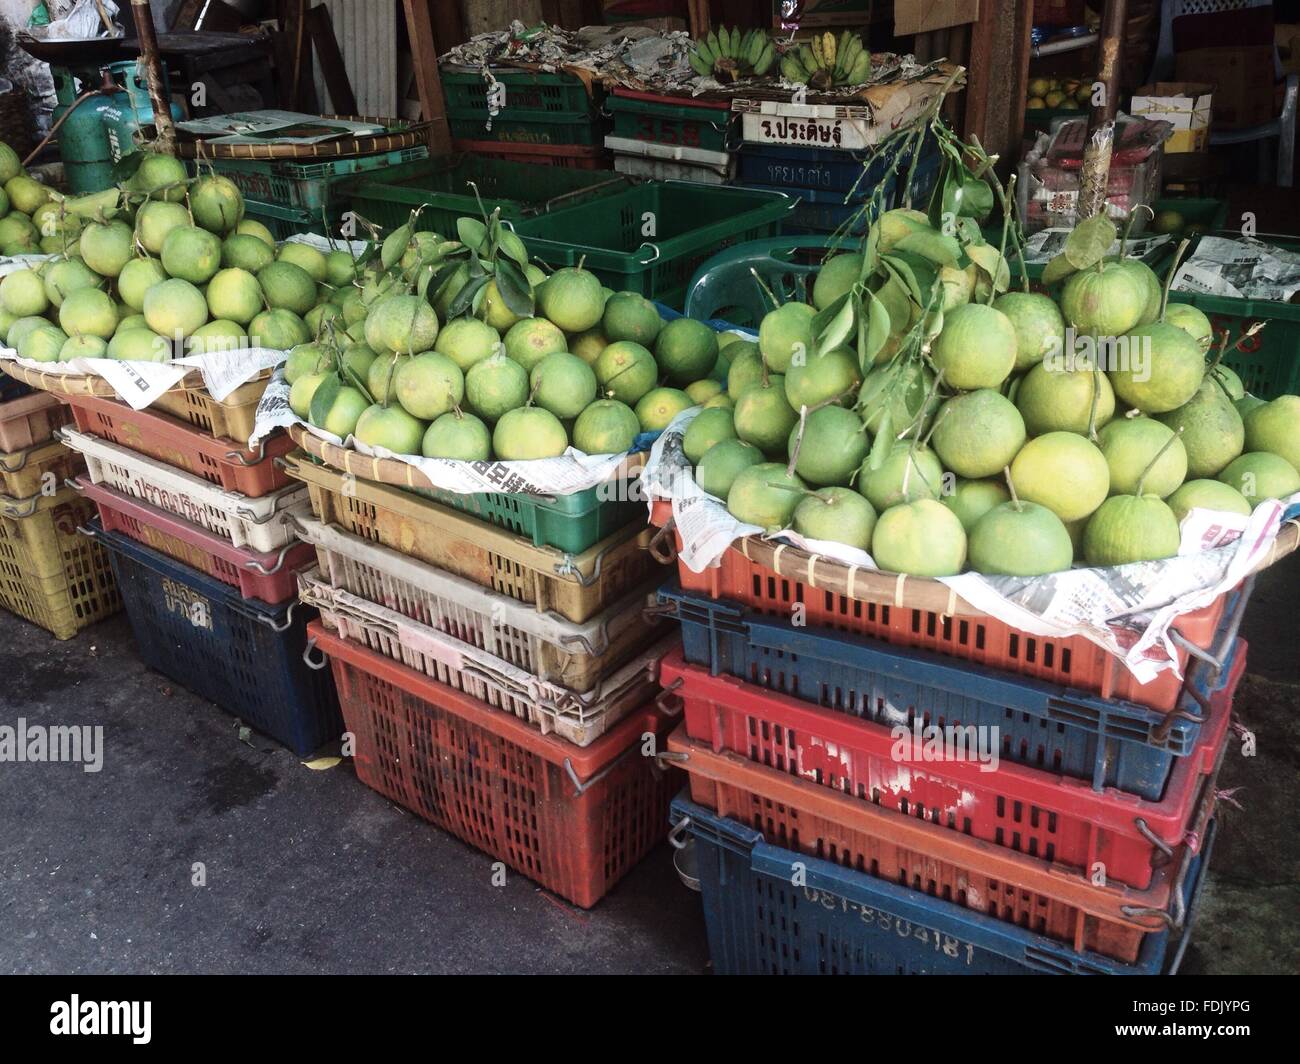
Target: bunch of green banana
[825, 61]
[730, 53]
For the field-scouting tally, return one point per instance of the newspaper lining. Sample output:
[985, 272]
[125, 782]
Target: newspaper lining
[1243, 268]
[1125, 609]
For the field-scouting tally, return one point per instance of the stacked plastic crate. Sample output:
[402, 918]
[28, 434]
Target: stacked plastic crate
[199, 530]
[495, 663]
[526, 116]
[49, 574]
[676, 138]
[885, 785]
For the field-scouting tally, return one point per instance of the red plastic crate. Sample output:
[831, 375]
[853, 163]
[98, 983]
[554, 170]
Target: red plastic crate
[572, 156]
[168, 439]
[574, 819]
[1071, 662]
[1059, 820]
[271, 577]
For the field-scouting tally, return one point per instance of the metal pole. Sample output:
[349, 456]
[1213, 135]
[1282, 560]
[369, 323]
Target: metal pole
[1101, 119]
[162, 110]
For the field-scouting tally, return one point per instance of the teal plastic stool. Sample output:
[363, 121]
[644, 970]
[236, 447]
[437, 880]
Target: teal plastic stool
[723, 287]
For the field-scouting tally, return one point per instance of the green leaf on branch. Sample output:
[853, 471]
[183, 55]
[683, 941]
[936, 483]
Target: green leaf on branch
[322, 399]
[1089, 242]
[516, 292]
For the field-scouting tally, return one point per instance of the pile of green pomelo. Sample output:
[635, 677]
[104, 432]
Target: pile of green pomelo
[962, 437]
[163, 267]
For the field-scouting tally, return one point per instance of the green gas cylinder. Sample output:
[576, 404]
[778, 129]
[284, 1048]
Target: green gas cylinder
[83, 137]
[126, 112]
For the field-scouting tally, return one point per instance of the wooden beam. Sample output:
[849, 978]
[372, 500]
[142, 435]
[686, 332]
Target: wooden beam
[981, 65]
[1020, 90]
[343, 100]
[162, 105]
[700, 19]
[424, 54]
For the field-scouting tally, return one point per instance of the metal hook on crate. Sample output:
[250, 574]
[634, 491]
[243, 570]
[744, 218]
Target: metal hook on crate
[568, 567]
[251, 517]
[89, 533]
[74, 483]
[11, 510]
[668, 701]
[22, 461]
[652, 247]
[1145, 831]
[656, 611]
[288, 620]
[238, 456]
[662, 545]
[586, 644]
[258, 567]
[676, 832]
[307, 659]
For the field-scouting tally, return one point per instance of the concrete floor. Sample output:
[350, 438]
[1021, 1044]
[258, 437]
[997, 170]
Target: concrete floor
[309, 871]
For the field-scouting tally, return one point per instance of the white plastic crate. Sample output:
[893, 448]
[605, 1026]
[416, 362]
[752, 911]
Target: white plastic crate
[260, 524]
[556, 650]
[579, 717]
[670, 162]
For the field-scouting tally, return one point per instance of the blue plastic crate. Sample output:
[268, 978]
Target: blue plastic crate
[242, 654]
[1112, 743]
[823, 169]
[845, 922]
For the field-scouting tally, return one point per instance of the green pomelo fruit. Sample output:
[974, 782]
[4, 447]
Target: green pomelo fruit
[340, 269]
[1157, 368]
[656, 409]
[686, 350]
[977, 347]
[530, 340]
[159, 177]
[174, 306]
[1207, 495]
[764, 417]
[18, 236]
[279, 330]
[1039, 327]
[354, 310]
[343, 414]
[235, 295]
[837, 275]
[319, 317]
[429, 385]
[358, 358]
[302, 393]
[720, 466]
[1131, 446]
[22, 294]
[217, 204]
[588, 345]
[1193, 322]
[307, 258]
[572, 299]
[244, 252]
[10, 163]
[401, 323]
[630, 316]
[88, 312]
[831, 377]
[745, 371]
[496, 385]
[221, 335]
[287, 286]
[702, 391]
[898, 389]
[136, 278]
[379, 378]
[1150, 283]
[626, 371]
[1246, 404]
[723, 364]
[1212, 431]
[1275, 428]
[467, 341]
[972, 499]
[784, 333]
[192, 254]
[563, 384]
[83, 347]
[978, 434]
[252, 227]
[26, 194]
[958, 286]
[765, 495]
[6, 321]
[529, 433]
[1104, 302]
[43, 344]
[837, 515]
[458, 436]
[448, 291]
[305, 360]
[1064, 472]
[907, 473]
[922, 538]
[1261, 475]
[1127, 529]
[1020, 539]
[21, 327]
[140, 345]
[107, 248]
[1226, 380]
[833, 446]
[389, 427]
[1056, 397]
[156, 219]
[606, 427]
[709, 428]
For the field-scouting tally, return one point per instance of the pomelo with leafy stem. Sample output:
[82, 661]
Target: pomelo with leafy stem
[828, 446]
[765, 495]
[720, 466]
[1131, 446]
[837, 515]
[1211, 429]
[978, 433]
[1064, 472]
[1066, 398]
[920, 538]
[785, 333]
[1018, 538]
[626, 371]
[829, 377]
[909, 471]
[1133, 528]
[707, 430]
[903, 392]
[1104, 300]
[972, 499]
[764, 417]
[457, 435]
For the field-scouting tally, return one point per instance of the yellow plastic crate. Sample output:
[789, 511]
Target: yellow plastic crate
[576, 586]
[232, 417]
[49, 573]
[22, 473]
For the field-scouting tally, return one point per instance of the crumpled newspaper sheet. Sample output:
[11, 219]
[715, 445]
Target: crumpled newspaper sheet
[1046, 244]
[1242, 268]
[80, 22]
[140, 384]
[1125, 609]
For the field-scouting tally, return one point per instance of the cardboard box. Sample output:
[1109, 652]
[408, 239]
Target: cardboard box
[1185, 105]
[921, 16]
[1242, 79]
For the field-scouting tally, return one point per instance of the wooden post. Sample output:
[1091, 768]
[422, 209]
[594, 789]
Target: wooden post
[424, 54]
[700, 21]
[162, 106]
[1101, 118]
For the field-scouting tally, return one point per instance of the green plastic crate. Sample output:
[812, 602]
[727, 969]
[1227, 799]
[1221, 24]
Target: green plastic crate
[442, 187]
[307, 186]
[575, 128]
[681, 124]
[1157, 259]
[1270, 364]
[285, 222]
[692, 222]
[1210, 213]
[571, 523]
[527, 93]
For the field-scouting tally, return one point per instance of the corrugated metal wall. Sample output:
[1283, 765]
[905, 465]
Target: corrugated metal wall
[367, 36]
